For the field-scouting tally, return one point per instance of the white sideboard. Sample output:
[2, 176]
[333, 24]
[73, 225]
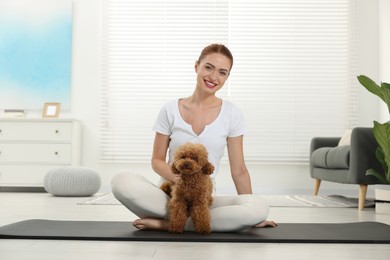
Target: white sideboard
[29, 148]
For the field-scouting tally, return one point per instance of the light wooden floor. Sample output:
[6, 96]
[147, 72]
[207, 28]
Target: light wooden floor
[21, 206]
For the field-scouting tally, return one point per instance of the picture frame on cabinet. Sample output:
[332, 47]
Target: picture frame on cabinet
[51, 110]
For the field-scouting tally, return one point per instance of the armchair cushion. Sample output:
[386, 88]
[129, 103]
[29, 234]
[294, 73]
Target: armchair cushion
[346, 138]
[331, 157]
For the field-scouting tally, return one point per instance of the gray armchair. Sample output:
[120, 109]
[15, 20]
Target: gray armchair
[345, 164]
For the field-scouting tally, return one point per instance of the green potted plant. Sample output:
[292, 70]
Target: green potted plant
[382, 136]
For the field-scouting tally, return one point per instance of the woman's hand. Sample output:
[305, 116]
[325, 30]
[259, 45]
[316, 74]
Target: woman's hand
[266, 223]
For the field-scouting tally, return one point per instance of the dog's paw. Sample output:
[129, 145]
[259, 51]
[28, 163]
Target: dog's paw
[167, 188]
[176, 230]
[203, 230]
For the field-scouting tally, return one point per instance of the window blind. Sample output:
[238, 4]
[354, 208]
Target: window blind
[293, 75]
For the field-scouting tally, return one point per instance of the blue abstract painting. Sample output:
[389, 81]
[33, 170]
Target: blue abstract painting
[35, 53]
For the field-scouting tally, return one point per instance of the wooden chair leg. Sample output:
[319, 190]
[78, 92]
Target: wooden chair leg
[362, 195]
[317, 186]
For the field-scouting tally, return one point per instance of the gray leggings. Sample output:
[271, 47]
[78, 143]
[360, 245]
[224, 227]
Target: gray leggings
[228, 213]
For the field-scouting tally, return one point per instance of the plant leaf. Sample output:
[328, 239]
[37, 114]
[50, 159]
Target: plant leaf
[382, 136]
[370, 85]
[385, 85]
[385, 90]
[376, 174]
[381, 158]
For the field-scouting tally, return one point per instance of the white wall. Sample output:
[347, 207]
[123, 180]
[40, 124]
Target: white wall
[272, 179]
[384, 50]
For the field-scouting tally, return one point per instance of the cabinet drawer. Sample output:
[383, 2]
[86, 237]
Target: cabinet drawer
[32, 131]
[24, 175]
[35, 153]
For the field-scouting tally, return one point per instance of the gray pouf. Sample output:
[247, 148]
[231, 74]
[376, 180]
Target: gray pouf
[72, 181]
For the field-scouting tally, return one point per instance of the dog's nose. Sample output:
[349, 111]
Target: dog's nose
[186, 165]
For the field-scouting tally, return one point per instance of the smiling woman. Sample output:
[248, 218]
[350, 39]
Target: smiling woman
[216, 124]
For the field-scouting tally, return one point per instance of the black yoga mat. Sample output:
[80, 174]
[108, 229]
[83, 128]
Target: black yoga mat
[359, 232]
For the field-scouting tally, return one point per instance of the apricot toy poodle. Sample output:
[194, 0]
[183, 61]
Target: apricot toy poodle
[191, 196]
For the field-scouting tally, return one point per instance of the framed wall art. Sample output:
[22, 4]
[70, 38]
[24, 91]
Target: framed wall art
[35, 53]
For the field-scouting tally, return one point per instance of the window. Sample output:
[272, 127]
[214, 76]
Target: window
[293, 75]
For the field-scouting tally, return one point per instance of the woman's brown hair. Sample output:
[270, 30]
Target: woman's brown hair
[216, 48]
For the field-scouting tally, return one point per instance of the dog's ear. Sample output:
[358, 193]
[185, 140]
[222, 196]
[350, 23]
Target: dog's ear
[174, 170]
[208, 169]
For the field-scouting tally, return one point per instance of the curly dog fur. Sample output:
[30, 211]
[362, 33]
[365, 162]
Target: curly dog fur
[191, 195]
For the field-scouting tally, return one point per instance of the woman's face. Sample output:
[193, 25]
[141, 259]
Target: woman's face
[212, 72]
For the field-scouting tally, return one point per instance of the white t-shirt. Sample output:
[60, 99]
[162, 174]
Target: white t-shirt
[229, 123]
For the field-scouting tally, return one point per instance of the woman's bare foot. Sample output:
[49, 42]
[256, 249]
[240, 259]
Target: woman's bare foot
[266, 223]
[151, 224]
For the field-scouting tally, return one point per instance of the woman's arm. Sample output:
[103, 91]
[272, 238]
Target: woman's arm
[239, 172]
[159, 164]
